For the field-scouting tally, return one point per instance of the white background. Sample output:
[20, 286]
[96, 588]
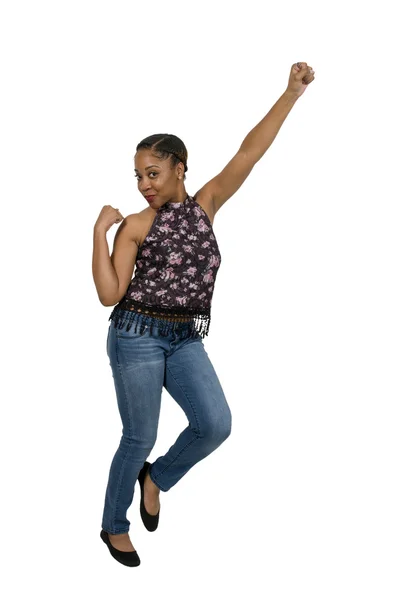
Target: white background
[301, 500]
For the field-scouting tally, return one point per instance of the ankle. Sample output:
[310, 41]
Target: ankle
[151, 486]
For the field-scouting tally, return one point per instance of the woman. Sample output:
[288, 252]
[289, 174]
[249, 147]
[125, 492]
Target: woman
[155, 338]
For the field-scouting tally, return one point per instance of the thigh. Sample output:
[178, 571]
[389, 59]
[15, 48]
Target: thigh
[192, 381]
[138, 366]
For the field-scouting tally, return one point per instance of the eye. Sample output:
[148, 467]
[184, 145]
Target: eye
[150, 173]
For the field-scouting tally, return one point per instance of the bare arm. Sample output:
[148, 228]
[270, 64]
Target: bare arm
[219, 189]
[112, 274]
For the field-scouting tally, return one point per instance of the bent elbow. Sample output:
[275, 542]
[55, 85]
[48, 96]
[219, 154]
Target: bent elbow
[108, 301]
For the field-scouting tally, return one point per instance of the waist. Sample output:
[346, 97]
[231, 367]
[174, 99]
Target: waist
[164, 321]
[181, 313]
[144, 316]
[160, 315]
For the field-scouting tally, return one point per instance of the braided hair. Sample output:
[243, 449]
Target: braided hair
[165, 145]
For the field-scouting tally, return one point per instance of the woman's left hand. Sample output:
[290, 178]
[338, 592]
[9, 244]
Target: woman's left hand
[301, 76]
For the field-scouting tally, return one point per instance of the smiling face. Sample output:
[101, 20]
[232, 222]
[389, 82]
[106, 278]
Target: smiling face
[157, 178]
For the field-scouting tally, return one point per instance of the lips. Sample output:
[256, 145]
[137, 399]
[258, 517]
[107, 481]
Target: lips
[150, 198]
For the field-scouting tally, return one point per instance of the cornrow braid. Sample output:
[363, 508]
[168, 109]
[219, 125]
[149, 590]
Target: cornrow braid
[166, 145]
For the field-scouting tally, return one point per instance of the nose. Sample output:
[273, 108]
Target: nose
[144, 186]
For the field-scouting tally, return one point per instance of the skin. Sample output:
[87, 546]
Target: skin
[164, 181]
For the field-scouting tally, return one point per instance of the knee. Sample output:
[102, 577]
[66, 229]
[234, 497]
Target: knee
[217, 432]
[225, 431]
[142, 444]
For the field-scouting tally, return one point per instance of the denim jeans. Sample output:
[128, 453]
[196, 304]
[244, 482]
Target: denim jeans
[142, 364]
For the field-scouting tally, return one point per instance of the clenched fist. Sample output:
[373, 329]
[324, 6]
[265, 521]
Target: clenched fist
[107, 217]
[301, 75]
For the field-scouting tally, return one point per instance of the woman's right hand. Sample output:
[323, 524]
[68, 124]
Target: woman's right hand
[107, 217]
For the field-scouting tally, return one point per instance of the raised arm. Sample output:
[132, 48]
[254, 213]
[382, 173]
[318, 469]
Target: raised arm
[259, 139]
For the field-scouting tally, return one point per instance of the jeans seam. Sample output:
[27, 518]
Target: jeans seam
[120, 476]
[197, 423]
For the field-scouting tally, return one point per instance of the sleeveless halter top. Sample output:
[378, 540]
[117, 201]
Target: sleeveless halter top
[176, 269]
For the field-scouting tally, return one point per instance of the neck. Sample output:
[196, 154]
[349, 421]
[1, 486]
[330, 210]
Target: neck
[179, 196]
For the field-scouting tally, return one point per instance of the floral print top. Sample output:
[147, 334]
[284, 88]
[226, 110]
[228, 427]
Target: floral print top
[176, 270]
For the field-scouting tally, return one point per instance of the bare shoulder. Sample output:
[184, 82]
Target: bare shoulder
[139, 224]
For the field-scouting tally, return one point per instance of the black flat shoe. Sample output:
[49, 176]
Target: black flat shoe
[150, 521]
[129, 559]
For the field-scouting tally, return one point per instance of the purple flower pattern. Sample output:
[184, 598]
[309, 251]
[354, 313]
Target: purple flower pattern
[178, 261]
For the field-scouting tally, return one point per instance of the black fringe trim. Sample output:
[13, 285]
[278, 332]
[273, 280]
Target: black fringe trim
[131, 312]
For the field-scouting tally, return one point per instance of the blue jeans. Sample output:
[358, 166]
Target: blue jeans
[141, 366]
